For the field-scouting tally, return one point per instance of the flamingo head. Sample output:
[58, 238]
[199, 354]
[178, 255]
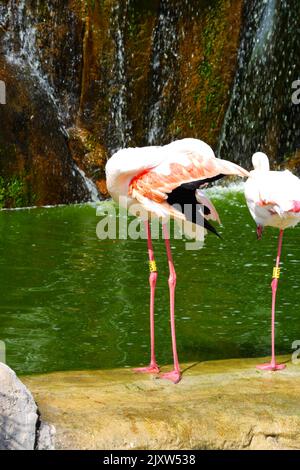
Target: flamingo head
[260, 162]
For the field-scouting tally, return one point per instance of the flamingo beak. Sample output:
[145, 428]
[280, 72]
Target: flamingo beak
[259, 231]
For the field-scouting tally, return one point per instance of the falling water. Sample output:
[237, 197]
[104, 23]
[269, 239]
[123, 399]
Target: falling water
[45, 40]
[20, 44]
[23, 46]
[91, 187]
[120, 125]
[261, 115]
[163, 64]
[20, 41]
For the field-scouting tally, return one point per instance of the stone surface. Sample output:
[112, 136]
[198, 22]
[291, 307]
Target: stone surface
[89, 67]
[34, 151]
[45, 436]
[217, 405]
[19, 419]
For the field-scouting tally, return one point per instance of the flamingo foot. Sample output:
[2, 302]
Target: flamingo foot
[151, 369]
[174, 376]
[271, 366]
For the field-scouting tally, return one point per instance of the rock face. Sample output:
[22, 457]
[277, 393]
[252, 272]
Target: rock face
[217, 405]
[20, 425]
[133, 72]
[113, 74]
[260, 115]
[36, 167]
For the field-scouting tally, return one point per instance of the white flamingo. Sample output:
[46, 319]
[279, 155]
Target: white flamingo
[157, 178]
[273, 198]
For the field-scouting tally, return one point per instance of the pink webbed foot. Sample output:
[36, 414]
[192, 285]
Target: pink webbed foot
[270, 366]
[174, 376]
[151, 369]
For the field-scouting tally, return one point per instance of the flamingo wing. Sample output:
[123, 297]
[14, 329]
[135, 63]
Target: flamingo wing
[150, 175]
[273, 198]
[276, 190]
[185, 161]
[126, 164]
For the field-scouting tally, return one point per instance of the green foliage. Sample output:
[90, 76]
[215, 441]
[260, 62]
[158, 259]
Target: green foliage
[209, 68]
[205, 69]
[13, 193]
[86, 4]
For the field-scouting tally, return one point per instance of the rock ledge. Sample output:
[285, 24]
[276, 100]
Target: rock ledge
[20, 424]
[217, 405]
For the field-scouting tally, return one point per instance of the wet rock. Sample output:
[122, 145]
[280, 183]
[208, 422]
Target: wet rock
[88, 153]
[262, 114]
[217, 405]
[45, 437]
[33, 146]
[117, 74]
[135, 73]
[19, 418]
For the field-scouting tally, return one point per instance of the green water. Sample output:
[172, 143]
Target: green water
[71, 301]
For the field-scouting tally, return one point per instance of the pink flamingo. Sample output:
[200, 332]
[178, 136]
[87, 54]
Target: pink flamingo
[157, 178]
[273, 198]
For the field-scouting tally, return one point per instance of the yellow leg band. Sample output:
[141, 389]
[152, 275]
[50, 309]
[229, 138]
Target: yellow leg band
[276, 273]
[152, 267]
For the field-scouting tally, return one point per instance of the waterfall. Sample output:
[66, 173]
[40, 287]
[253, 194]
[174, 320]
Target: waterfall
[91, 187]
[261, 115]
[133, 73]
[165, 42]
[20, 44]
[120, 125]
[29, 46]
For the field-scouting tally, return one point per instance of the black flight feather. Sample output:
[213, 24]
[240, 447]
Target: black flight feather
[185, 194]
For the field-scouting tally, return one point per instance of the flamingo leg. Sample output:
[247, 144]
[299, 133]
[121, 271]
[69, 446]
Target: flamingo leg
[273, 365]
[175, 375]
[153, 367]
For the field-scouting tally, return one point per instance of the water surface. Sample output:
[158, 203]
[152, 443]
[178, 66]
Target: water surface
[70, 301]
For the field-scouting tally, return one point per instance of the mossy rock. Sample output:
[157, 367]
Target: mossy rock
[35, 164]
